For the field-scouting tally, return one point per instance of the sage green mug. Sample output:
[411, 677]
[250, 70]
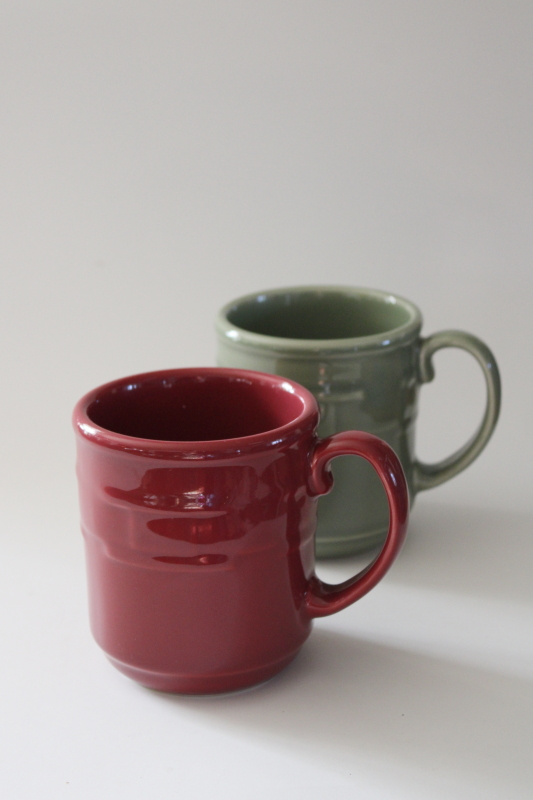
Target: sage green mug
[361, 354]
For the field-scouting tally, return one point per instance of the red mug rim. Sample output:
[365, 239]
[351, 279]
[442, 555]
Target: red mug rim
[306, 420]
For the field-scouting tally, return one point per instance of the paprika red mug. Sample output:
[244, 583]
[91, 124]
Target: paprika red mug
[198, 494]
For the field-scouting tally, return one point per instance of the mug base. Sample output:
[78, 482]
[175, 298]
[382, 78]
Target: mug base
[202, 684]
[349, 545]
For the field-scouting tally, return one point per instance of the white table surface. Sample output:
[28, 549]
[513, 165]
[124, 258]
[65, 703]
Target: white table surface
[158, 159]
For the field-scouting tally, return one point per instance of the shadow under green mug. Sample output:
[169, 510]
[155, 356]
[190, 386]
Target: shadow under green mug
[360, 352]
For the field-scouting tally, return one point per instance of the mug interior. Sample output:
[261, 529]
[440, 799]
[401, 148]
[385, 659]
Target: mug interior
[194, 407]
[319, 314]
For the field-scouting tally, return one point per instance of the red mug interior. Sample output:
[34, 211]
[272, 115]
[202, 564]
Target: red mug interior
[193, 407]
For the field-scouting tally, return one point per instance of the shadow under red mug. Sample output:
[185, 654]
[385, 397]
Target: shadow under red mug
[198, 495]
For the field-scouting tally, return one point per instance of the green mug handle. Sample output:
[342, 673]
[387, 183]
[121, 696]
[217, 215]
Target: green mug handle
[426, 476]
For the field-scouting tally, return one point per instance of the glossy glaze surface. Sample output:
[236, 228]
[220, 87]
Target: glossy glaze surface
[200, 551]
[360, 352]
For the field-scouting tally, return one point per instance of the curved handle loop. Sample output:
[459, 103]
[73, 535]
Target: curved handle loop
[322, 598]
[425, 476]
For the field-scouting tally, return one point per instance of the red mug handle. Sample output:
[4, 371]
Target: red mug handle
[322, 598]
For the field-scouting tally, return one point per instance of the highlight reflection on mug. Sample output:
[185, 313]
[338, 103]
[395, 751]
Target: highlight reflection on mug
[208, 559]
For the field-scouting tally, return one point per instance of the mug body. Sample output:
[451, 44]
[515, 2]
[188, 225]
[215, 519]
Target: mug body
[198, 524]
[356, 350]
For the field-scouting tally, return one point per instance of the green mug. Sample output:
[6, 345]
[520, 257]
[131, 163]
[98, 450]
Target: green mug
[361, 354]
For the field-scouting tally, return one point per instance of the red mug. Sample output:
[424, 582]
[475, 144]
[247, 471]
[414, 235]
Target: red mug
[198, 494]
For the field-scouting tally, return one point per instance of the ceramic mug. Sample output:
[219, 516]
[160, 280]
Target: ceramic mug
[360, 352]
[198, 494]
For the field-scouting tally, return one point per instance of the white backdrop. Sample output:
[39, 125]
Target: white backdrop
[158, 159]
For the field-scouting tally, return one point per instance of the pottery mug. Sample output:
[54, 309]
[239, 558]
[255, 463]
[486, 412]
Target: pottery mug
[360, 352]
[198, 494]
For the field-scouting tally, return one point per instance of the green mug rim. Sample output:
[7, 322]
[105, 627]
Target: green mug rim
[385, 340]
